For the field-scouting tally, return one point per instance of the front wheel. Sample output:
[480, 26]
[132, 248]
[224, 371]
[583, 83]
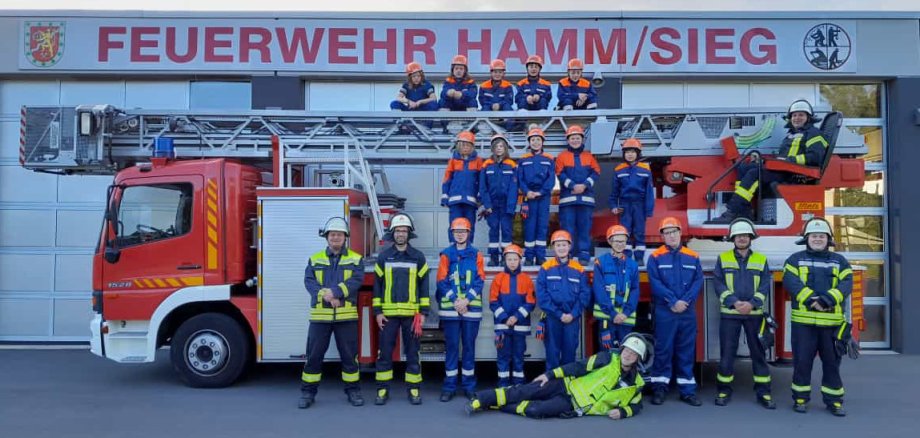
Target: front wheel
[210, 350]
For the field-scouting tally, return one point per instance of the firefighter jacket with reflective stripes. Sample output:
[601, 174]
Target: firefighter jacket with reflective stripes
[598, 385]
[567, 92]
[466, 86]
[535, 173]
[501, 93]
[616, 287]
[740, 278]
[512, 294]
[633, 183]
[401, 286]
[675, 275]
[576, 166]
[338, 274]
[461, 180]
[530, 86]
[497, 186]
[822, 276]
[460, 275]
[805, 146]
[562, 288]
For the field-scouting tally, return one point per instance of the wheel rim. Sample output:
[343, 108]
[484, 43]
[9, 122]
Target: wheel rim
[206, 352]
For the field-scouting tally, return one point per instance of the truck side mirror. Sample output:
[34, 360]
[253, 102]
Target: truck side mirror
[112, 254]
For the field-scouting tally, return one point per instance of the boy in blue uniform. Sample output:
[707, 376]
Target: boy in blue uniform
[512, 300]
[460, 282]
[536, 179]
[416, 94]
[459, 90]
[563, 294]
[496, 94]
[533, 92]
[616, 290]
[577, 171]
[676, 276]
[633, 196]
[498, 193]
[576, 92]
[460, 188]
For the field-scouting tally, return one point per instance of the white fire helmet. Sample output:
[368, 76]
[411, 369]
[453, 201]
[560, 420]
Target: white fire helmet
[741, 226]
[401, 220]
[801, 105]
[817, 225]
[335, 223]
[637, 345]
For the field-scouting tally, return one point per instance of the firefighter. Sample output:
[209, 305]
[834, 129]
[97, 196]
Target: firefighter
[332, 279]
[633, 196]
[804, 145]
[460, 280]
[574, 91]
[742, 282]
[676, 278]
[562, 293]
[496, 94]
[512, 300]
[616, 290]
[498, 193]
[536, 178]
[416, 94]
[533, 92]
[460, 188]
[607, 383]
[400, 303]
[459, 90]
[577, 171]
[819, 282]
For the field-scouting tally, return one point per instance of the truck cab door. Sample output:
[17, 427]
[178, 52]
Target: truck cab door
[154, 244]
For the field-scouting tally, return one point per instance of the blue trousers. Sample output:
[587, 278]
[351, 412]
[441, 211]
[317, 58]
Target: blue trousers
[536, 226]
[576, 219]
[675, 343]
[510, 361]
[561, 342]
[458, 104]
[462, 210]
[460, 343]
[430, 106]
[633, 218]
[500, 223]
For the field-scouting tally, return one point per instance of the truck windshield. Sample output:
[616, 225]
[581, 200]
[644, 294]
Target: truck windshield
[151, 213]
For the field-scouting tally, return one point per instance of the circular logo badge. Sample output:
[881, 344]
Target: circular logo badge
[827, 46]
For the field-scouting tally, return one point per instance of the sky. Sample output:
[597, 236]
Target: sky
[466, 5]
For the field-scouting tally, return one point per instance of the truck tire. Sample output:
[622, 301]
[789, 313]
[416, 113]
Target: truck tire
[210, 350]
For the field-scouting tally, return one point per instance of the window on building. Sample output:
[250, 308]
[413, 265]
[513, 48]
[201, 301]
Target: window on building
[225, 95]
[151, 213]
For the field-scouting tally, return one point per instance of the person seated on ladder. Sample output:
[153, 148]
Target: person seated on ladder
[804, 145]
[459, 90]
[416, 94]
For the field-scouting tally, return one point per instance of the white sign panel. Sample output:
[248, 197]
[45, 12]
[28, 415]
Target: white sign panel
[384, 46]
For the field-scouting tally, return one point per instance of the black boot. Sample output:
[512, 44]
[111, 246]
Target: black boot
[723, 398]
[415, 396]
[354, 397]
[691, 400]
[766, 401]
[447, 396]
[837, 409]
[306, 400]
[383, 395]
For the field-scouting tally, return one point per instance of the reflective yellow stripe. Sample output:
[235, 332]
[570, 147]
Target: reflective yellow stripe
[412, 284]
[759, 295]
[800, 160]
[388, 289]
[794, 147]
[762, 379]
[346, 275]
[803, 274]
[522, 408]
[838, 296]
[376, 302]
[378, 270]
[816, 139]
[628, 410]
[344, 290]
[319, 276]
[792, 269]
[413, 378]
[747, 194]
[798, 388]
[817, 318]
[591, 362]
[757, 287]
[724, 295]
[725, 379]
[383, 376]
[350, 377]
[831, 391]
[310, 378]
[500, 399]
[423, 271]
[844, 273]
[803, 295]
[730, 281]
[558, 373]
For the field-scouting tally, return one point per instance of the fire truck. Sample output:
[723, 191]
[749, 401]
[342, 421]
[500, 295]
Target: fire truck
[211, 216]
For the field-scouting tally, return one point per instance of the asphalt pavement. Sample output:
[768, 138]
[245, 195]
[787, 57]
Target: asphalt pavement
[71, 393]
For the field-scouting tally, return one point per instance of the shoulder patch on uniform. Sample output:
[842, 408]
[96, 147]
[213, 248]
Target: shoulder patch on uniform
[689, 252]
[620, 166]
[565, 82]
[662, 250]
[582, 82]
[576, 266]
[644, 166]
[545, 82]
[488, 162]
[522, 81]
[551, 263]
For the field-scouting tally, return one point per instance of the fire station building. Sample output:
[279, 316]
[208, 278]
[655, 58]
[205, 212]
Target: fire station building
[866, 65]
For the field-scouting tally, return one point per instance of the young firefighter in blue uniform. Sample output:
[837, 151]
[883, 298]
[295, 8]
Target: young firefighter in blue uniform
[608, 383]
[498, 193]
[676, 277]
[577, 171]
[332, 278]
[633, 196]
[416, 94]
[460, 188]
[616, 290]
[563, 294]
[461, 277]
[512, 300]
[533, 92]
[459, 90]
[536, 178]
[401, 303]
[803, 145]
[819, 282]
[496, 94]
[574, 91]
[742, 282]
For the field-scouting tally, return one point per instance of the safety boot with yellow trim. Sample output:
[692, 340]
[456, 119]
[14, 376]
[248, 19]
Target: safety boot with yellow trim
[800, 406]
[473, 406]
[837, 409]
[415, 396]
[766, 401]
[383, 395]
[306, 400]
[723, 398]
